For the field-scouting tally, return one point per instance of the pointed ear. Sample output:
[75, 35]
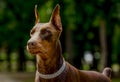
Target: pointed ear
[55, 18]
[36, 15]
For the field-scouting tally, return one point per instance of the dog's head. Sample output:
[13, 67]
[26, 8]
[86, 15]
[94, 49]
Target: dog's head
[44, 36]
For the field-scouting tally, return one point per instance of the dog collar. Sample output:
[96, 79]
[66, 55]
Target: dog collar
[50, 76]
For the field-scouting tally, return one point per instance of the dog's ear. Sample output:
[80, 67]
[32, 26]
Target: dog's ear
[55, 18]
[36, 15]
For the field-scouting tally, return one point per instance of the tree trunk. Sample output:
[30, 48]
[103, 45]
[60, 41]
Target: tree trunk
[8, 51]
[103, 44]
[69, 45]
[21, 60]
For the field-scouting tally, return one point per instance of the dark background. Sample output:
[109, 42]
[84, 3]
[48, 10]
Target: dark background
[90, 38]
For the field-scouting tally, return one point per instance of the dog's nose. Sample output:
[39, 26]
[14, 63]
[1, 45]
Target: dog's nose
[31, 44]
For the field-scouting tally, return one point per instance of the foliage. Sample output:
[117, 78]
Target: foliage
[81, 17]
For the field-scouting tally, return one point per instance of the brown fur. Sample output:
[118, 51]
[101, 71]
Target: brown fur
[45, 45]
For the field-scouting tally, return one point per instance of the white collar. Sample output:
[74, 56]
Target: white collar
[50, 76]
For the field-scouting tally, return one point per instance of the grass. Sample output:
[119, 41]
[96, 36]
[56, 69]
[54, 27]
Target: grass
[32, 80]
[29, 77]
[116, 80]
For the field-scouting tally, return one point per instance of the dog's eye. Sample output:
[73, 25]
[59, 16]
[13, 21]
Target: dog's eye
[44, 31]
[32, 32]
[45, 34]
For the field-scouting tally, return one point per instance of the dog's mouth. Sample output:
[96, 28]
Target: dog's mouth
[34, 50]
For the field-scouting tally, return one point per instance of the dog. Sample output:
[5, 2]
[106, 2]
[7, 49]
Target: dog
[51, 66]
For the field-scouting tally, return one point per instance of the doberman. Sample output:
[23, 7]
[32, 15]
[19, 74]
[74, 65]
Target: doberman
[51, 66]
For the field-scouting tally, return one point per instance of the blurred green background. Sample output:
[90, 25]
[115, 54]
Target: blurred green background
[90, 37]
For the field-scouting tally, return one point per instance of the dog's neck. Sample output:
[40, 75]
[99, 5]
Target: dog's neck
[52, 64]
